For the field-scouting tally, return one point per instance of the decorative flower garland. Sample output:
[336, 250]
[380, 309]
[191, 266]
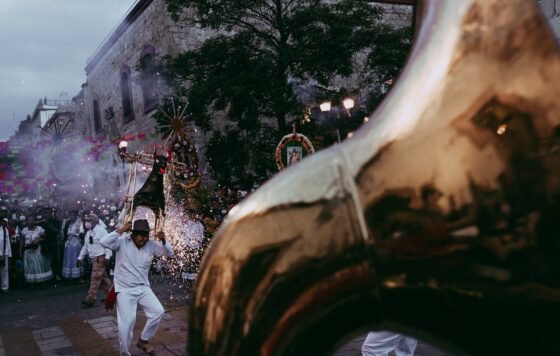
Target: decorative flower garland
[292, 140]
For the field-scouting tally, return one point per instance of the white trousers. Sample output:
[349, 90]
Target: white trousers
[380, 343]
[4, 277]
[126, 316]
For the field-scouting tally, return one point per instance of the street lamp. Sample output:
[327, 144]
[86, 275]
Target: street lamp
[325, 106]
[122, 148]
[348, 104]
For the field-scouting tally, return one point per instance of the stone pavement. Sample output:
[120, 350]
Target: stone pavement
[51, 321]
[74, 336]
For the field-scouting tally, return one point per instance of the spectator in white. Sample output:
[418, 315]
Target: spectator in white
[5, 253]
[134, 253]
[36, 267]
[98, 255]
[380, 343]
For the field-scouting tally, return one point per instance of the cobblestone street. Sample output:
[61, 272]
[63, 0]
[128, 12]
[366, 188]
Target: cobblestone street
[52, 321]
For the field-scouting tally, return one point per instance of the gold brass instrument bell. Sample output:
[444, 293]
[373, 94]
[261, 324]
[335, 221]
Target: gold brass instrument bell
[437, 219]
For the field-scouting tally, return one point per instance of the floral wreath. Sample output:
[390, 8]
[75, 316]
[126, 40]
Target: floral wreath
[299, 140]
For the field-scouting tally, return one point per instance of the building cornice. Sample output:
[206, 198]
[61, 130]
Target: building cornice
[129, 19]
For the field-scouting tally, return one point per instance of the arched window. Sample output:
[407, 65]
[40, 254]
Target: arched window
[126, 94]
[96, 117]
[148, 76]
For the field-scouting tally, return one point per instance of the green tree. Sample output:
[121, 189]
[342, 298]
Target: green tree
[247, 70]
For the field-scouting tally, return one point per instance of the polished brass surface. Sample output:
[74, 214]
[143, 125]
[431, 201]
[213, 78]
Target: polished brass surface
[436, 219]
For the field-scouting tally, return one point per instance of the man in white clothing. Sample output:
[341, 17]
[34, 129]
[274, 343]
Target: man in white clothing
[5, 254]
[380, 343]
[134, 253]
[98, 255]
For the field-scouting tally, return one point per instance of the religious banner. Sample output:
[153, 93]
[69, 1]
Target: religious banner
[291, 149]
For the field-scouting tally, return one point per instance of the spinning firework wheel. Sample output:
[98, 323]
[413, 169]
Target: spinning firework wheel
[175, 129]
[59, 130]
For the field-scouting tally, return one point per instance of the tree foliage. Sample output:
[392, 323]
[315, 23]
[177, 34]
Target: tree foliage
[261, 48]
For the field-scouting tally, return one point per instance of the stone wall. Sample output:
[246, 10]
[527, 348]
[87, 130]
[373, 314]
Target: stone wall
[152, 28]
[397, 15]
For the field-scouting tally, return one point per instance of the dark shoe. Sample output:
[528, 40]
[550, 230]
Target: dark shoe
[87, 303]
[146, 347]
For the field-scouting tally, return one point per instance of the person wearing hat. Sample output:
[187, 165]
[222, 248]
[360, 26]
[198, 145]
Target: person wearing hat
[134, 253]
[98, 255]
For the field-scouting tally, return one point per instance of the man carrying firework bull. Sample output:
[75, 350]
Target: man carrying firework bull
[134, 252]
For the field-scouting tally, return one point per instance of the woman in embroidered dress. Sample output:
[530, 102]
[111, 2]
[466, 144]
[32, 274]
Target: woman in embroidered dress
[36, 267]
[71, 231]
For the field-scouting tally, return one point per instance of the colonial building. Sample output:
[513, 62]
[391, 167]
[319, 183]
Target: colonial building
[123, 89]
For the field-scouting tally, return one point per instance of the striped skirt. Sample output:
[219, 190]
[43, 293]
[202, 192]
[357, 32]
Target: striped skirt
[36, 267]
[72, 249]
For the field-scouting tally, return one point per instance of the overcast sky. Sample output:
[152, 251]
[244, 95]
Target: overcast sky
[44, 46]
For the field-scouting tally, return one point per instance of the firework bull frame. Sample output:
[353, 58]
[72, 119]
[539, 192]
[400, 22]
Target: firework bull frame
[152, 194]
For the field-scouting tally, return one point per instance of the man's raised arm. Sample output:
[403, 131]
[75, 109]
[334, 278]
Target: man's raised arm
[163, 248]
[111, 240]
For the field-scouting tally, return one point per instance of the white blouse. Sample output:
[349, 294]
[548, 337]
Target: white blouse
[76, 228]
[30, 235]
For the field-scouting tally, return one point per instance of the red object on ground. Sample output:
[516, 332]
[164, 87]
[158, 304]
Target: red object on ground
[111, 299]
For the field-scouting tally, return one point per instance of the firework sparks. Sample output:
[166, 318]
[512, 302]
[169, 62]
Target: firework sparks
[186, 236]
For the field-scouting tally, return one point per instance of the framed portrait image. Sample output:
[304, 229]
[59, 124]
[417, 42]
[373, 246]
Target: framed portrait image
[295, 153]
[292, 149]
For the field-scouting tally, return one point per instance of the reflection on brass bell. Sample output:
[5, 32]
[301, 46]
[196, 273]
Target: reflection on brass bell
[437, 219]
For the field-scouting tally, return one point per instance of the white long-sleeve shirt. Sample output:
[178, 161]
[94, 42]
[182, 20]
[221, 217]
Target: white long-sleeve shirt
[32, 235]
[133, 263]
[95, 249]
[5, 238]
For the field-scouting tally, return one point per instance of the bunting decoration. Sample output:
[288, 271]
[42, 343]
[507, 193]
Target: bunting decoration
[53, 159]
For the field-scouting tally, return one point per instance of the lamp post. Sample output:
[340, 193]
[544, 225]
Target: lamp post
[347, 103]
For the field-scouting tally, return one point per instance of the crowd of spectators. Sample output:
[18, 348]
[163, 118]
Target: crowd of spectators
[45, 241]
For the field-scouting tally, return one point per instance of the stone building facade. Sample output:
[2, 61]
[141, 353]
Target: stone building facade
[123, 91]
[114, 70]
[397, 13]
[118, 102]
